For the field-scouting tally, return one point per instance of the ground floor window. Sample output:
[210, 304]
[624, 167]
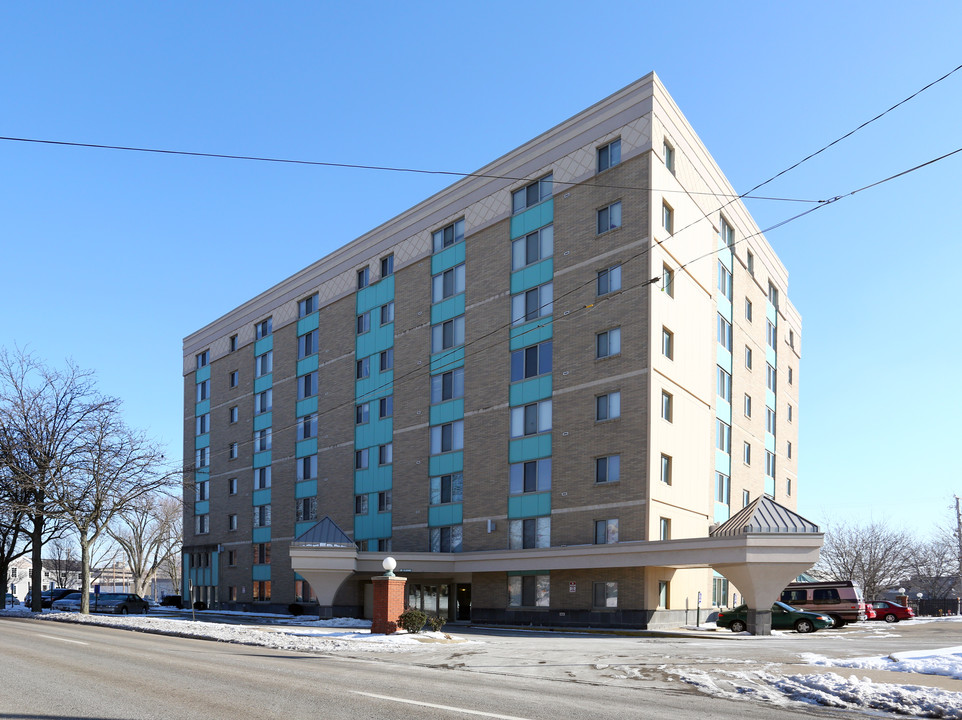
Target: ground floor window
[663, 594]
[719, 592]
[303, 592]
[529, 590]
[446, 539]
[262, 590]
[605, 595]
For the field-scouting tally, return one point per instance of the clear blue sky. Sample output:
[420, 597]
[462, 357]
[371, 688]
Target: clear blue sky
[111, 258]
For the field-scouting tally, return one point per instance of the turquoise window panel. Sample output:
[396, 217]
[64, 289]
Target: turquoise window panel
[214, 566]
[724, 307]
[448, 258]
[447, 360]
[263, 382]
[532, 218]
[723, 410]
[375, 295]
[305, 448]
[529, 505]
[447, 309]
[373, 480]
[375, 525]
[769, 442]
[722, 512]
[306, 324]
[447, 463]
[376, 432]
[532, 276]
[771, 357]
[261, 572]
[202, 473]
[201, 576]
[202, 374]
[447, 412]
[723, 462]
[770, 399]
[771, 314]
[530, 333]
[378, 385]
[531, 390]
[723, 358]
[529, 448]
[299, 529]
[441, 515]
[307, 365]
[202, 407]
[201, 507]
[263, 345]
[261, 497]
[306, 406]
[263, 421]
[202, 441]
[305, 489]
[770, 486]
[262, 459]
[379, 338]
[261, 534]
[725, 254]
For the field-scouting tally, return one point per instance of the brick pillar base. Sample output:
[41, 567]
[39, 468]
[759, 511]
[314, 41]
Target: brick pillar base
[388, 603]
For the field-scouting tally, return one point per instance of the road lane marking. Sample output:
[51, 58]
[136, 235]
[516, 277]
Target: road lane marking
[51, 637]
[439, 707]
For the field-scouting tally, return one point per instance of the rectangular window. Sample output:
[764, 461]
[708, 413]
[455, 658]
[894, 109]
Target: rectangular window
[609, 280]
[203, 424]
[608, 469]
[773, 295]
[362, 413]
[667, 409]
[724, 280]
[448, 236]
[448, 283]
[788, 450]
[532, 304]
[750, 262]
[723, 486]
[770, 464]
[727, 235]
[307, 468]
[723, 384]
[664, 529]
[724, 333]
[529, 590]
[361, 459]
[788, 486]
[791, 338]
[202, 491]
[447, 437]
[791, 376]
[201, 524]
[385, 501]
[232, 560]
[666, 469]
[203, 390]
[604, 594]
[529, 533]
[363, 322]
[447, 489]
[668, 281]
[262, 516]
[233, 379]
[663, 593]
[608, 343]
[747, 453]
[232, 414]
[719, 592]
[609, 217]
[385, 454]
[233, 343]
[202, 458]
[608, 407]
[385, 407]
[263, 401]
[667, 217]
[264, 364]
[262, 440]
[386, 359]
[446, 539]
[746, 498]
[531, 361]
[531, 419]
[447, 386]
[447, 335]
[261, 590]
[232, 522]
[387, 265]
[262, 478]
[789, 413]
[770, 420]
[609, 155]
[531, 195]
[667, 343]
[387, 313]
[203, 359]
[748, 405]
[232, 451]
[748, 357]
[668, 152]
[307, 306]
[748, 309]
[232, 486]
[723, 436]
[606, 532]
[263, 328]
[305, 509]
[307, 386]
[771, 334]
[532, 248]
[531, 476]
[362, 368]
[360, 504]
[363, 278]
[770, 377]
[307, 344]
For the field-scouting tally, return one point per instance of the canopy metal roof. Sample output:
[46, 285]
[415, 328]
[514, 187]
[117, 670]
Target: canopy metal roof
[764, 515]
[326, 532]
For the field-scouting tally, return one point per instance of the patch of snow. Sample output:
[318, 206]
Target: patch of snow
[944, 661]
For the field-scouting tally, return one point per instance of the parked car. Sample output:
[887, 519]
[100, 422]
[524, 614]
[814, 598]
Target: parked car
[12, 600]
[48, 596]
[891, 612]
[840, 600]
[119, 603]
[70, 602]
[784, 617]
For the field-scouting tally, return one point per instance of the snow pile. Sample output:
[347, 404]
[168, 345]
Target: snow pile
[945, 661]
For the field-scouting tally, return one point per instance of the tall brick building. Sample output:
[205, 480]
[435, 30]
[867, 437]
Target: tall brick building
[538, 389]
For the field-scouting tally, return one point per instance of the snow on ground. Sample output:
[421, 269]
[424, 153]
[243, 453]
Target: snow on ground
[944, 661]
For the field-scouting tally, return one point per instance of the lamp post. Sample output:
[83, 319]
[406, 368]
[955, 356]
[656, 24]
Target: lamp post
[919, 606]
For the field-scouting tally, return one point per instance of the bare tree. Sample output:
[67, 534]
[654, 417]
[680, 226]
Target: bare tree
[14, 542]
[932, 567]
[149, 531]
[62, 561]
[873, 555]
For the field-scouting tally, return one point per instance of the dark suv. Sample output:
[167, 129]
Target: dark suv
[48, 596]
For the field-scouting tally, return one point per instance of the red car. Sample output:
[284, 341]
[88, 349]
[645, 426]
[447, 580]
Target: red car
[891, 612]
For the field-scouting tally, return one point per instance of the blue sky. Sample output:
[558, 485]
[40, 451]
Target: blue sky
[111, 258]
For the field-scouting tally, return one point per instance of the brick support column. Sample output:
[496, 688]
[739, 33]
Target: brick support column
[388, 603]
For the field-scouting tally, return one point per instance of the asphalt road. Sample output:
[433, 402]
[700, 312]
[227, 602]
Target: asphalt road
[57, 670]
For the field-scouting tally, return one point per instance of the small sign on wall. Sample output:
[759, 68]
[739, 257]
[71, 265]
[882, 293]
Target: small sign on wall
[572, 587]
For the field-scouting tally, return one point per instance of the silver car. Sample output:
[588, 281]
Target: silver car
[119, 603]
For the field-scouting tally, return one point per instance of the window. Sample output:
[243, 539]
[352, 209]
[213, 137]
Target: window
[203, 390]
[263, 401]
[789, 413]
[261, 590]
[770, 420]
[668, 152]
[724, 333]
[773, 295]
[448, 283]
[307, 344]
[385, 454]
[203, 424]
[532, 248]
[360, 504]
[606, 532]
[307, 306]
[748, 309]
[232, 414]
[667, 343]
[387, 265]
[305, 509]
[363, 278]
[447, 489]
[532, 304]
[307, 385]
[791, 338]
[386, 407]
[667, 402]
[448, 236]
[362, 413]
[447, 437]
[663, 593]
[748, 405]
[262, 478]
[233, 379]
[664, 529]
[385, 501]
[531, 419]
[788, 450]
[363, 322]
[232, 522]
[724, 280]
[202, 491]
[203, 359]
[361, 459]
[387, 313]
[202, 458]
[233, 343]
[263, 328]
[386, 359]
[263, 364]
[201, 524]
[727, 235]
[529, 590]
[262, 440]
[362, 368]
[609, 155]
[723, 384]
[770, 377]
[447, 386]
[750, 262]
[529, 533]
[791, 376]
[668, 281]
[609, 280]
[747, 453]
[608, 407]
[232, 559]
[531, 476]
[770, 464]
[307, 468]
[608, 343]
[604, 594]
[771, 334]
[262, 516]
[609, 217]
[719, 592]
[666, 469]
[723, 486]
[667, 217]
[723, 436]
[748, 357]
[446, 539]
[608, 469]
[746, 498]
[531, 195]
[232, 486]
[788, 486]
[232, 451]
[447, 335]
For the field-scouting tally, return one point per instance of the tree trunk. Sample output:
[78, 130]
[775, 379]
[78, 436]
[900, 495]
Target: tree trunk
[36, 556]
[4, 569]
[84, 573]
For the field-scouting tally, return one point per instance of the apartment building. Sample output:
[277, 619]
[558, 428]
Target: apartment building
[539, 390]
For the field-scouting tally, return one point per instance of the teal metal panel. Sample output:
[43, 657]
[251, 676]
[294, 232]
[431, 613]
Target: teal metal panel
[375, 295]
[306, 406]
[723, 410]
[364, 435]
[725, 255]
[202, 441]
[378, 385]
[769, 442]
[771, 314]
[305, 489]
[261, 535]
[447, 360]
[529, 391]
[723, 462]
[770, 399]
[771, 357]
[724, 307]
[447, 309]
[447, 412]
[201, 507]
[202, 374]
[306, 365]
[722, 512]
[770, 486]
[263, 382]
[305, 448]
[532, 218]
[261, 497]
[447, 258]
[263, 421]
[532, 276]
[376, 432]
[306, 324]
[372, 480]
[374, 525]
[441, 515]
[529, 505]
[723, 358]
[447, 463]
[263, 345]
[299, 529]
[380, 337]
[262, 459]
[214, 567]
[202, 407]
[529, 448]
[261, 572]
[530, 333]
